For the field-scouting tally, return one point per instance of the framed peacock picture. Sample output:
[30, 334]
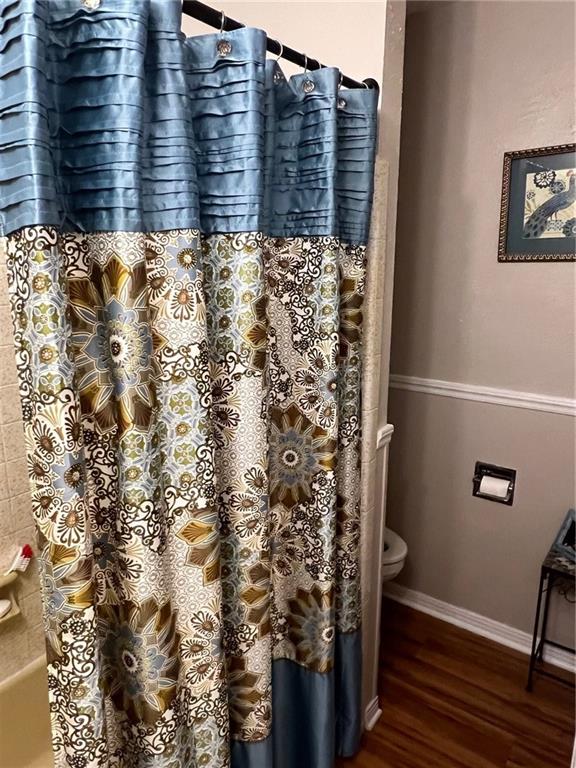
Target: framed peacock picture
[538, 211]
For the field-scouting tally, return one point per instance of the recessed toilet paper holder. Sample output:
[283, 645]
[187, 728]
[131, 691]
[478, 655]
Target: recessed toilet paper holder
[494, 483]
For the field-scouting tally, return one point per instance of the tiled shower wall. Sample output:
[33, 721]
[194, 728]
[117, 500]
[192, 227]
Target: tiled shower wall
[22, 637]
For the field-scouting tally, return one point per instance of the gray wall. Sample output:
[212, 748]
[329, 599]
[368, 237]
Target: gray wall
[480, 78]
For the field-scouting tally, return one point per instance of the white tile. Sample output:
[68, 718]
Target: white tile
[4, 491]
[8, 372]
[5, 323]
[6, 522]
[17, 473]
[9, 549]
[10, 409]
[21, 507]
[4, 299]
[13, 439]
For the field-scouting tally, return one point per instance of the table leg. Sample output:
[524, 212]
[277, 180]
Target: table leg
[535, 634]
[549, 588]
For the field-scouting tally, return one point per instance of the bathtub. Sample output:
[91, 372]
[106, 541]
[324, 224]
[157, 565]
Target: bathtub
[24, 719]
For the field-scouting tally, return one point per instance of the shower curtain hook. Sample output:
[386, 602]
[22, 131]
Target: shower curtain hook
[305, 63]
[340, 80]
[222, 21]
[281, 50]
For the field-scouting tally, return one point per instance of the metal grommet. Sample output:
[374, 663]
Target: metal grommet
[224, 48]
[91, 5]
[308, 86]
[278, 77]
[342, 103]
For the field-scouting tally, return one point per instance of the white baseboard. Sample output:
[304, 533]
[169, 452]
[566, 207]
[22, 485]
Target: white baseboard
[508, 397]
[372, 714]
[474, 622]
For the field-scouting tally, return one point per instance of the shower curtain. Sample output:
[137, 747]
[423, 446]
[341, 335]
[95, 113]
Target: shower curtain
[185, 232]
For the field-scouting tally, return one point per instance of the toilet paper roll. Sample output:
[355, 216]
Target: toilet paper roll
[494, 486]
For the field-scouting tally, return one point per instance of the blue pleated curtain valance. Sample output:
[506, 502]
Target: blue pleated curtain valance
[111, 119]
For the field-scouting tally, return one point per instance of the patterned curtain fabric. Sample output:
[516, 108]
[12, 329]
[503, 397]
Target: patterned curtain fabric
[186, 232]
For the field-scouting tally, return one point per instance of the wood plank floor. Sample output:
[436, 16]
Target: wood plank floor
[451, 699]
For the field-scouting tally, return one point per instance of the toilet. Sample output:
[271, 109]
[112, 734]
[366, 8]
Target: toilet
[394, 555]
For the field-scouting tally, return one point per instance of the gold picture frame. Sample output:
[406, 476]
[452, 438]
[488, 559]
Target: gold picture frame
[538, 207]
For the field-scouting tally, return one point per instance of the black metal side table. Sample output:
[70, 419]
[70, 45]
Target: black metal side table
[557, 568]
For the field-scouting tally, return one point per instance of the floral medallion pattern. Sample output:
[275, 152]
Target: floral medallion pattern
[191, 408]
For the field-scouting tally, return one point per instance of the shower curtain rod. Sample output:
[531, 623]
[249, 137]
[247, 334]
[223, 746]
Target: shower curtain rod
[219, 20]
